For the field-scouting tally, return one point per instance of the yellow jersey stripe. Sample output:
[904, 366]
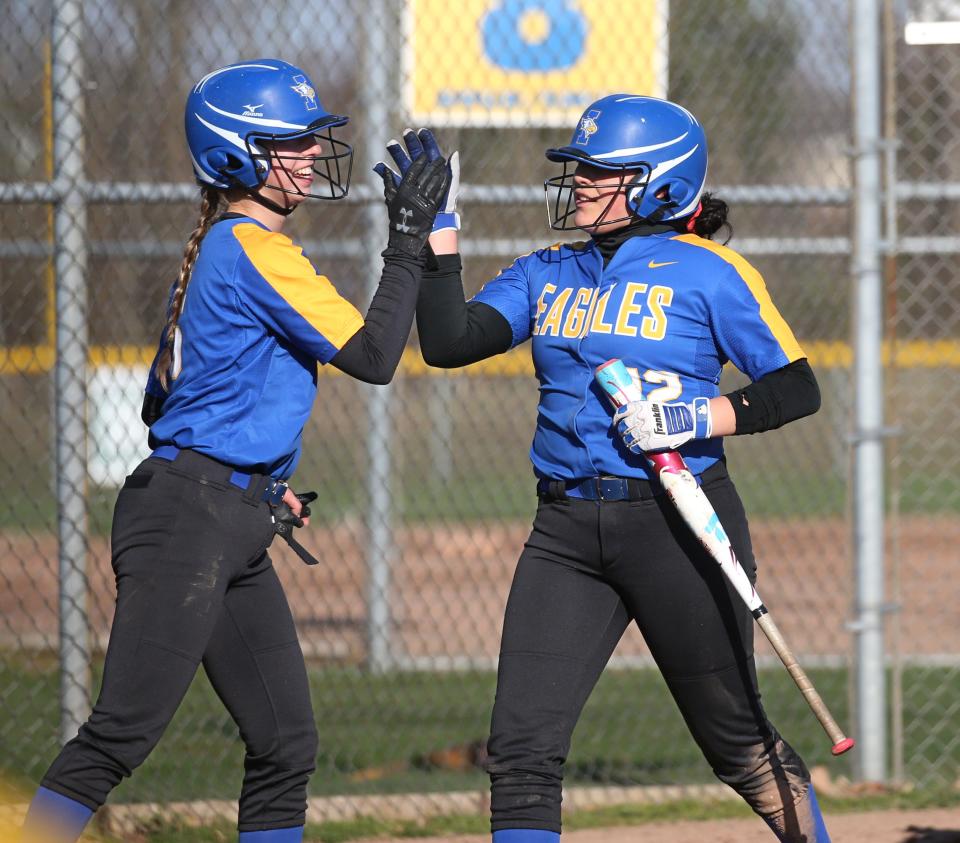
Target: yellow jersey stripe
[754, 281]
[284, 267]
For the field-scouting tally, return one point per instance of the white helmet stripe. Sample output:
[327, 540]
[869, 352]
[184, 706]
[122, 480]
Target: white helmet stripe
[233, 137]
[676, 105]
[667, 166]
[638, 150]
[210, 76]
[257, 121]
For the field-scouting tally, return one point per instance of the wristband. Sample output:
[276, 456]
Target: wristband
[702, 420]
[446, 222]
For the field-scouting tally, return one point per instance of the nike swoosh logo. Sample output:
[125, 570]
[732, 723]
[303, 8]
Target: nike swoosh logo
[655, 265]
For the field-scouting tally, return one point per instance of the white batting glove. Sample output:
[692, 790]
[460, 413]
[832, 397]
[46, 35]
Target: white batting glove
[653, 426]
[447, 218]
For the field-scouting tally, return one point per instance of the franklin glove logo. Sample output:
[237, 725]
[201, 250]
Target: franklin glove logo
[658, 425]
[402, 226]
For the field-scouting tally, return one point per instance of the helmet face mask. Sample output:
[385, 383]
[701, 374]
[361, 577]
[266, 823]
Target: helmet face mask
[236, 115]
[561, 198]
[661, 145]
[332, 168]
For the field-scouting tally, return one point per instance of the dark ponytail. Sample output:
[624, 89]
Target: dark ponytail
[209, 207]
[710, 219]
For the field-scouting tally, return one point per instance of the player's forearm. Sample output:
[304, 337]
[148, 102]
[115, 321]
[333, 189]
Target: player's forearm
[373, 353]
[446, 242]
[779, 397]
[723, 419]
[454, 332]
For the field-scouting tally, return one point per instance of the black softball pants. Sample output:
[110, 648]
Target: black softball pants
[587, 570]
[194, 583]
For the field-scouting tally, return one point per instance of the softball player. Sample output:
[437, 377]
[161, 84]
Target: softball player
[647, 285]
[227, 400]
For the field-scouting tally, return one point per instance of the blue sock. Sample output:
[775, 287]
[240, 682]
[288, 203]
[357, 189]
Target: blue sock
[273, 835]
[819, 825]
[525, 835]
[54, 818]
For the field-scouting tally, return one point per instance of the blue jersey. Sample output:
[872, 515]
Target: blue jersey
[674, 307]
[256, 319]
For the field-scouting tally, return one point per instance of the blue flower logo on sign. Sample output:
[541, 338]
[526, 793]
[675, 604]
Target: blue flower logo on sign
[534, 35]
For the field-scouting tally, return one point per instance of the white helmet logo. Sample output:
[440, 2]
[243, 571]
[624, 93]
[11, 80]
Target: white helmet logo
[588, 126]
[305, 89]
[253, 110]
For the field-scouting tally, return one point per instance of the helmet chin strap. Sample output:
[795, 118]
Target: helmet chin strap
[269, 204]
[661, 212]
[254, 194]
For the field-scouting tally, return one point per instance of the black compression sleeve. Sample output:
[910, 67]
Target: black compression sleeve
[781, 396]
[454, 332]
[152, 408]
[373, 353]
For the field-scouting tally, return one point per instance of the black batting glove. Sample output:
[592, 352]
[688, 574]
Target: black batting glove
[412, 201]
[284, 522]
[306, 498]
[284, 519]
[403, 158]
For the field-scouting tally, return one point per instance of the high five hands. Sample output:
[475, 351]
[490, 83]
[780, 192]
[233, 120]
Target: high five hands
[421, 198]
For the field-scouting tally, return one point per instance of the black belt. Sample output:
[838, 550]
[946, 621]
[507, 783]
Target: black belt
[608, 488]
[257, 485]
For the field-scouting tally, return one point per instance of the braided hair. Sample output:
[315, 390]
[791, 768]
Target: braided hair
[209, 207]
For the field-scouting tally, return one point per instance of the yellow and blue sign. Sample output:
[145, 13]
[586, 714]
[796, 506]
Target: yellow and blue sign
[529, 62]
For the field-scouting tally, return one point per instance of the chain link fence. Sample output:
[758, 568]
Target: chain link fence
[923, 324]
[426, 495]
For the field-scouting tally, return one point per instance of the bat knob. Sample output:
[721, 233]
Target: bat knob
[842, 746]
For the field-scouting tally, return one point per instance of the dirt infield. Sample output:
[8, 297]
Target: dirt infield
[931, 826]
[448, 583]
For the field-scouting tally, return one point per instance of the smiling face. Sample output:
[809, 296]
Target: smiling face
[600, 197]
[291, 169]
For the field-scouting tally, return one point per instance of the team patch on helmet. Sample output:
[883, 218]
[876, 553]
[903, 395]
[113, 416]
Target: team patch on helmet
[306, 91]
[588, 126]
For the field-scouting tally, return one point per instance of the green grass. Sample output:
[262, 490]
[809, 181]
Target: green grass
[377, 732]
[482, 472]
[689, 809]
[497, 493]
[477, 495]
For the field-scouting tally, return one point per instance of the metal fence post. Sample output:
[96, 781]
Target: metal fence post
[379, 519]
[70, 224]
[868, 489]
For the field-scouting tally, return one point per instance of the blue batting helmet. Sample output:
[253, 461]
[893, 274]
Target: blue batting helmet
[659, 139]
[232, 111]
